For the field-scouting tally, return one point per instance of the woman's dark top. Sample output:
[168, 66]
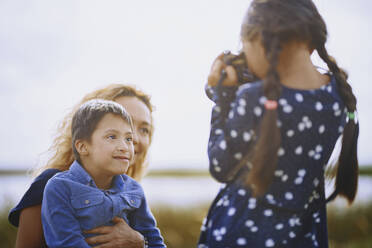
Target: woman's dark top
[33, 196]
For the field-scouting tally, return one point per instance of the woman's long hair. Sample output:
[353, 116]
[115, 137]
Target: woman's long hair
[277, 22]
[61, 149]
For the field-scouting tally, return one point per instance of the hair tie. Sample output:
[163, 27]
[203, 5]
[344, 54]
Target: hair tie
[271, 105]
[351, 116]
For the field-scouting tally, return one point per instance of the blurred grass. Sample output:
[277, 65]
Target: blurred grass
[178, 173]
[180, 227]
[350, 227]
[365, 170]
[7, 231]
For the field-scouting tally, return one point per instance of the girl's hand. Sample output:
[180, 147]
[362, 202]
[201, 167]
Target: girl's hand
[119, 235]
[215, 73]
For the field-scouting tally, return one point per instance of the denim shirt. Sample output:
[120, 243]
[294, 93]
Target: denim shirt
[72, 204]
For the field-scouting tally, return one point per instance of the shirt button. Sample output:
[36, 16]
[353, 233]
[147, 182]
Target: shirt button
[87, 201]
[132, 201]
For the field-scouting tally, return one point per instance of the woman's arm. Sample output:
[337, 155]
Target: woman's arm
[122, 235]
[119, 235]
[27, 214]
[30, 231]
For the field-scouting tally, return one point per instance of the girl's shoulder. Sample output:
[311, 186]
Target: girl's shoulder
[328, 88]
[250, 94]
[251, 89]
[326, 97]
[256, 89]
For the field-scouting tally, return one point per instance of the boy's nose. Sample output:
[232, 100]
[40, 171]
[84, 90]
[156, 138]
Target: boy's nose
[135, 138]
[123, 146]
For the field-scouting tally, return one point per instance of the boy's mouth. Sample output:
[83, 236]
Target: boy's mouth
[124, 158]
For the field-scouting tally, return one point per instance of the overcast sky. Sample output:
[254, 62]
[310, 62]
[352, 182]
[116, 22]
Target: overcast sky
[54, 52]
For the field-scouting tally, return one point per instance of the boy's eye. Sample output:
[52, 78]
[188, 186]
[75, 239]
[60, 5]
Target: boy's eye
[129, 139]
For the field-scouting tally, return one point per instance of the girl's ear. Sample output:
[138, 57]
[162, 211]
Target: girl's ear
[81, 147]
[311, 48]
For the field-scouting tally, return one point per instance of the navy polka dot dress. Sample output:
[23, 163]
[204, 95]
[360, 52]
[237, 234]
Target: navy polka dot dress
[292, 213]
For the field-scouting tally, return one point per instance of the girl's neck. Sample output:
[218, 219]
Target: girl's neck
[296, 69]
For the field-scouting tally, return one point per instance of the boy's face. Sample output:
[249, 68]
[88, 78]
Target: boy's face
[110, 150]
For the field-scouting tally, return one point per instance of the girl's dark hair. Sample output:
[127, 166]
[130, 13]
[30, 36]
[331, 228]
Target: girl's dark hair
[277, 22]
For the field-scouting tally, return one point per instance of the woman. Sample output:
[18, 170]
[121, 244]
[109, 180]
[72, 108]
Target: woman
[27, 214]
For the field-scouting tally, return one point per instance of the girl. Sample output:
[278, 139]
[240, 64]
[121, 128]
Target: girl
[271, 139]
[27, 214]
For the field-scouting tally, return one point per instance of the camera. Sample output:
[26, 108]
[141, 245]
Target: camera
[240, 65]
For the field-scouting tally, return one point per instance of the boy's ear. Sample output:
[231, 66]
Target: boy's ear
[81, 147]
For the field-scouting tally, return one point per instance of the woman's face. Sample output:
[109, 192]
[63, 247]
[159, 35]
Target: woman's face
[142, 124]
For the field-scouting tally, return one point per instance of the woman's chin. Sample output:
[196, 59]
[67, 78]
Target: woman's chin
[138, 160]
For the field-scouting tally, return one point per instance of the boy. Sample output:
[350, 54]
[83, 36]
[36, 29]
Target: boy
[94, 190]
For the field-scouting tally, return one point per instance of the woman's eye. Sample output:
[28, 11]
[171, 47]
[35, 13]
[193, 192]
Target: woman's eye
[129, 139]
[111, 137]
[144, 130]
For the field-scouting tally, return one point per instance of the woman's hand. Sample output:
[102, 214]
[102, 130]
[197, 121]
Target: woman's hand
[119, 235]
[215, 73]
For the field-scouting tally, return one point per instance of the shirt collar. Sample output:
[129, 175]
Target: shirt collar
[83, 176]
[117, 184]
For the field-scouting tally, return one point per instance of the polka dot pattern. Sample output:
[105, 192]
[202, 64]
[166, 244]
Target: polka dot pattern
[310, 122]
